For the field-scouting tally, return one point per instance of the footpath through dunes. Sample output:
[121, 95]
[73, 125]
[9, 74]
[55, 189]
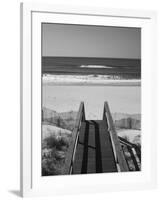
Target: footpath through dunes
[98, 149]
[94, 152]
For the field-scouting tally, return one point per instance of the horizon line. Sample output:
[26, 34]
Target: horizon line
[90, 57]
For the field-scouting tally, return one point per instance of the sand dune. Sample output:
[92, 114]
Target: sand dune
[49, 130]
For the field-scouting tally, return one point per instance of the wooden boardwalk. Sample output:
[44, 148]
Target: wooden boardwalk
[97, 147]
[94, 152]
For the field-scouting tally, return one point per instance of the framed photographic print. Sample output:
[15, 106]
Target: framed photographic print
[87, 95]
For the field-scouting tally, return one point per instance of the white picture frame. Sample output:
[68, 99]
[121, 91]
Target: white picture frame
[32, 183]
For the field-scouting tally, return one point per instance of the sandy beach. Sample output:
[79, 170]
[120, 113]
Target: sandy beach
[122, 99]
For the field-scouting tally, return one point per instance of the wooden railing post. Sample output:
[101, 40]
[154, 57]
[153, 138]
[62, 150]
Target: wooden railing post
[118, 152]
[72, 149]
[83, 112]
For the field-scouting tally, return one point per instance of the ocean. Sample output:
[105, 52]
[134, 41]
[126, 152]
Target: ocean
[94, 81]
[116, 68]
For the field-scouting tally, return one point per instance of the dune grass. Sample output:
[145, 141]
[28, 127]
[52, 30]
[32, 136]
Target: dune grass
[54, 150]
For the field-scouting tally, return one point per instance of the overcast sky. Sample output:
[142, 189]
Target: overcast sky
[90, 41]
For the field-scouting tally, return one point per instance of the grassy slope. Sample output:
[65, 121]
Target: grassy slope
[56, 139]
[55, 144]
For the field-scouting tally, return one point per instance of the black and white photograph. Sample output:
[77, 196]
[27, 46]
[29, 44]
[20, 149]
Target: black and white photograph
[91, 99]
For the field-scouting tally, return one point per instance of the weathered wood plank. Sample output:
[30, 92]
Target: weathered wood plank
[91, 167]
[119, 156]
[107, 159]
[94, 153]
[72, 149]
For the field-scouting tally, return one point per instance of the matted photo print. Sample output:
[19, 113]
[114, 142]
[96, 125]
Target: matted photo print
[91, 99]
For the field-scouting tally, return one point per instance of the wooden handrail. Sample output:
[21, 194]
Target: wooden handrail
[72, 149]
[118, 152]
[136, 148]
[121, 139]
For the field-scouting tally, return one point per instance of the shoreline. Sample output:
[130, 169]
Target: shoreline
[88, 80]
[118, 84]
